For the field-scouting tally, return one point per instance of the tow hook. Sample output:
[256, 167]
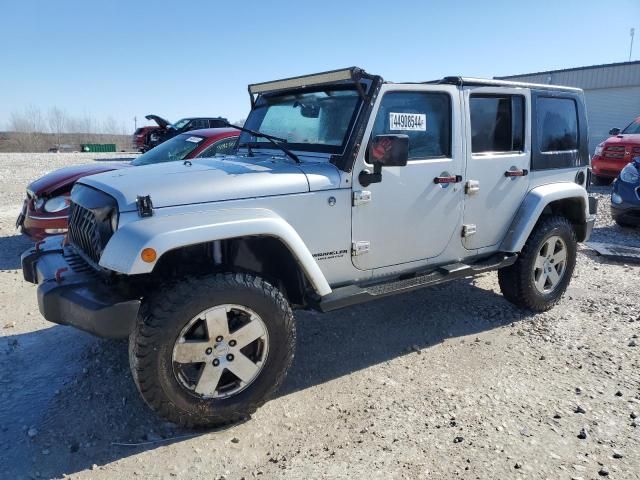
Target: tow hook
[59, 273]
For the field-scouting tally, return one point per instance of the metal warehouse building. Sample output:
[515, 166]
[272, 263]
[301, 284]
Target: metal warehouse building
[612, 93]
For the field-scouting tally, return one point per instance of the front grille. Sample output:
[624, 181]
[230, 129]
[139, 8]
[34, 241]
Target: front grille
[90, 214]
[84, 233]
[614, 152]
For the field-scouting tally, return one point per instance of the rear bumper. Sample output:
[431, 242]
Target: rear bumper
[591, 219]
[72, 293]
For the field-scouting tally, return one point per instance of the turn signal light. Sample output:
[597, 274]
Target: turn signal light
[148, 255]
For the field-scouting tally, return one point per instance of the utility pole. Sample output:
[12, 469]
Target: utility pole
[135, 123]
[632, 33]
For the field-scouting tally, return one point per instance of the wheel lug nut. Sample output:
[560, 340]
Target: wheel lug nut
[232, 343]
[230, 357]
[216, 362]
[208, 351]
[219, 338]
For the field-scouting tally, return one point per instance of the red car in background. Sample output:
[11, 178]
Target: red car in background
[46, 207]
[141, 137]
[615, 152]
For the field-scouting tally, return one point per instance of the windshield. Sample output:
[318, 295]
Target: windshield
[633, 127]
[310, 121]
[175, 149]
[181, 123]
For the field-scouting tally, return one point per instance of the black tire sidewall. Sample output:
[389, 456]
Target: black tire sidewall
[273, 314]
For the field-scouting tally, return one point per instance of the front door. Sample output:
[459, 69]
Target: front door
[497, 162]
[408, 216]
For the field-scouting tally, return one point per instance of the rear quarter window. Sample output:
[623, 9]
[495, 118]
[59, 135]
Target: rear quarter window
[557, 124]
[559, 132]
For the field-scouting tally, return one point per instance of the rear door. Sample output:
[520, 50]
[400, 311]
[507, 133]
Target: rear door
[497, 162]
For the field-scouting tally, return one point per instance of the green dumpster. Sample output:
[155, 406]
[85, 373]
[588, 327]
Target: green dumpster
[98, 147]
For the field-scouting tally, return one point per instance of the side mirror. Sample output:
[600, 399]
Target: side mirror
[389, 150]
[614, 131]
[384, 151]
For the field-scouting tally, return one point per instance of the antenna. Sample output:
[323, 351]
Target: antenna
[632, 33]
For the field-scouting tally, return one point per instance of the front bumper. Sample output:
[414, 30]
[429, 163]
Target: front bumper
[70, 292]
[608, 167]
[37, 226]
[628, 211]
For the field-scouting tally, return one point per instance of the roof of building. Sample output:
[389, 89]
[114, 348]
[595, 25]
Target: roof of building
[611, 75]
[572, 69]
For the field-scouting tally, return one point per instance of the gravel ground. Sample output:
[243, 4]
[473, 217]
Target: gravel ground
[448, 382]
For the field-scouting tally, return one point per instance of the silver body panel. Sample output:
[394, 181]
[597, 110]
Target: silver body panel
[402, 224]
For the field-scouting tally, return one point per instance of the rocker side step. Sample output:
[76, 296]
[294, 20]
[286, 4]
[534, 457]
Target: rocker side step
[354, 294]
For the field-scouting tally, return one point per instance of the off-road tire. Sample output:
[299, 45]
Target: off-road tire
[166, 312]
[516, 281]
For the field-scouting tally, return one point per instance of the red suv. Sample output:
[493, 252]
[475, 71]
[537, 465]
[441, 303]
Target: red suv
[615, 152]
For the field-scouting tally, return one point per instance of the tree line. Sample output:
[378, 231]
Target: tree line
[35, 130]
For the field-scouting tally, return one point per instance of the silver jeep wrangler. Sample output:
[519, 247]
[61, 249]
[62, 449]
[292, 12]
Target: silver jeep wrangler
[344, 189]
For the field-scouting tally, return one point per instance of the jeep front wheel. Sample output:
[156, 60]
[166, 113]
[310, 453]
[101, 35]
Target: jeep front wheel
[209, 351]
[543, 270]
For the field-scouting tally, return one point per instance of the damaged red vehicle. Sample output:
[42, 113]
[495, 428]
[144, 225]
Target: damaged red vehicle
[141, 137]
[45, 209]
[612, 155]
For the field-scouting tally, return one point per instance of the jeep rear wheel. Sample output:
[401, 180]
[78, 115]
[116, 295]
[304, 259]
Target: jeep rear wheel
[209, 351]
[543, 270]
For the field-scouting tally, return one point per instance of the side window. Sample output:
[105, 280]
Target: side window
[497, 123]
[557, 124]
[225, 146]
[424, 116]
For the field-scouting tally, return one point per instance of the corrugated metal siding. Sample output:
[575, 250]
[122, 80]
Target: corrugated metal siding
[608, 108]
[624, 75]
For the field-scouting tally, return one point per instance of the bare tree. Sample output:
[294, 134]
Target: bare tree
[110, 126]
[28, 126]
[240, 123]
[57, 119]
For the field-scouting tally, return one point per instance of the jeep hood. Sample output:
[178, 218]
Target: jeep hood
[202, 181]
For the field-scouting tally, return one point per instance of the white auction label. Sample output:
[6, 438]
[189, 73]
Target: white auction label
[407, 121]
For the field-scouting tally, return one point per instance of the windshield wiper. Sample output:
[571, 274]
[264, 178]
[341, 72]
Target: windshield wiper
[277, 141]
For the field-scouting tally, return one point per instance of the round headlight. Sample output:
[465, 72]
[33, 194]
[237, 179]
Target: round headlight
[114, 221]
[56, 204]
[629, 174]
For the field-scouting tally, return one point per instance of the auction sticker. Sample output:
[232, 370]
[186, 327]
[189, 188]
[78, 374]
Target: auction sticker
[194, 139]
[408, 121]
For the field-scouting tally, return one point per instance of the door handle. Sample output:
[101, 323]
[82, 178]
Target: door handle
[516, 173]
[448, 179]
